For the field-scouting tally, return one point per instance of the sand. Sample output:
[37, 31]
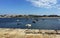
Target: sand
[20, 33]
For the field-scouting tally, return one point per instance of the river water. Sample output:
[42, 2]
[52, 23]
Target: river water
[36, 23]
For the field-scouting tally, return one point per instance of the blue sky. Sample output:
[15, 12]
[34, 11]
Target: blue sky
[36, 7]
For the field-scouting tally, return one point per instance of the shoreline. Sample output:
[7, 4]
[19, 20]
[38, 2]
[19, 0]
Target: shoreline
[29, 17]
[27, 30]
[27, 33]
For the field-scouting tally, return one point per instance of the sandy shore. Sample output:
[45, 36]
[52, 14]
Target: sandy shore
[23, 33]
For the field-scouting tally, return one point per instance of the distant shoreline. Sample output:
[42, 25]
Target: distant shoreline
[29, 16]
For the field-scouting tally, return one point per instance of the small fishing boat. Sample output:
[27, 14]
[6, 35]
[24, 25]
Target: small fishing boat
[28, 25]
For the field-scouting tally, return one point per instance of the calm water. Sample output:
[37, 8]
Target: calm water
[37, 23]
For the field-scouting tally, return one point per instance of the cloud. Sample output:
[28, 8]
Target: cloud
[45, 3]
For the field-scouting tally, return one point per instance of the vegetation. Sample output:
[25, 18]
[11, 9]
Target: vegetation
[26, 16]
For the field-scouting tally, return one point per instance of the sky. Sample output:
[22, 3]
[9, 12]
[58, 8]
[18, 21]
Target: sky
[30, 7]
